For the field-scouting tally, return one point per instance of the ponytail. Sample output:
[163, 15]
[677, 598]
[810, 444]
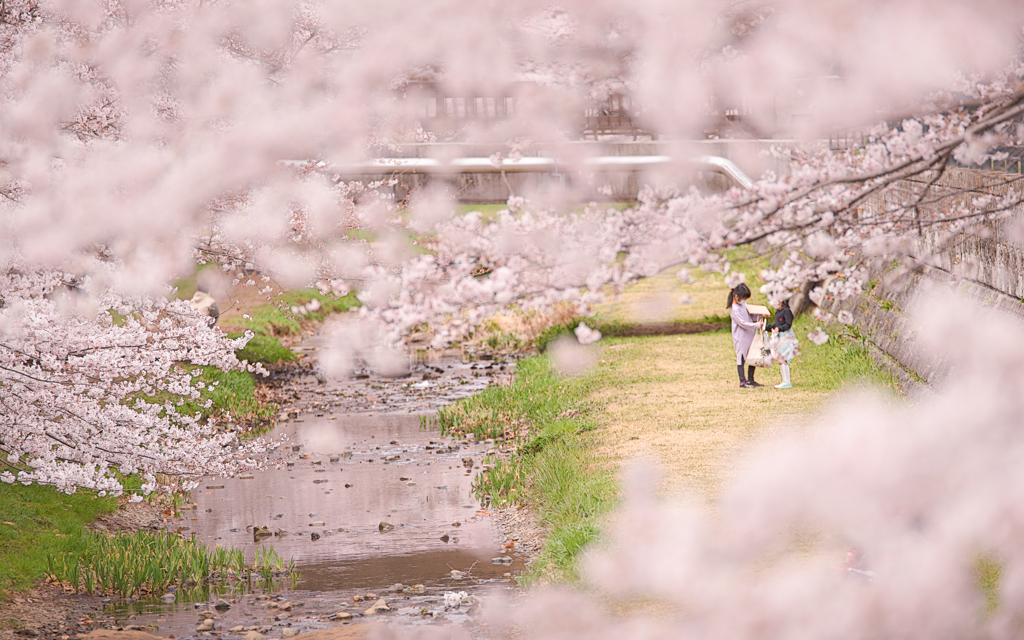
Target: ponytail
[741, 291]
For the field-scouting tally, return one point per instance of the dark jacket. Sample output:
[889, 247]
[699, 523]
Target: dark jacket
[783, 321]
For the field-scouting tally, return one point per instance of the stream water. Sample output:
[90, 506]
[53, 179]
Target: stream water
[366, 500]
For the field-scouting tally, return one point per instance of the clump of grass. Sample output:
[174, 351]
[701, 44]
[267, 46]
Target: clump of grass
[142, 563]
[263, 349]
[553, 468]
[536, 396]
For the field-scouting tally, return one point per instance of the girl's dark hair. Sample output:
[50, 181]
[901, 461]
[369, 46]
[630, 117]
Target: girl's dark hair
[784, 304]
[741, 291]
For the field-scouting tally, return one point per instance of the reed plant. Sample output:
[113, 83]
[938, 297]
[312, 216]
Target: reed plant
[143, 563]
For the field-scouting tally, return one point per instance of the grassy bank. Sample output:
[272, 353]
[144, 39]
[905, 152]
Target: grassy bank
[36, 521]
[554, 470]
[673, 398]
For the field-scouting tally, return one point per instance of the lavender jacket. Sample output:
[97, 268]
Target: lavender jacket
[743, 326]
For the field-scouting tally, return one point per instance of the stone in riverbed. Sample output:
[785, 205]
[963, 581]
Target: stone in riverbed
[207, 625]
[318, 523]
[222, 604]
[289, 632]
[254, 635]
[236, 629]
[378, 607]
[384, 527]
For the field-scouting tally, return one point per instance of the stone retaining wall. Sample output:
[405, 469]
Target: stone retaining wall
[986, 264]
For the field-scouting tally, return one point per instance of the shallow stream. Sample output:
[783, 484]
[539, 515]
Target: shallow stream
[368, 501]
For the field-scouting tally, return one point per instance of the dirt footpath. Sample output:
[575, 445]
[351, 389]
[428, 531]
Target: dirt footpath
[676, 399]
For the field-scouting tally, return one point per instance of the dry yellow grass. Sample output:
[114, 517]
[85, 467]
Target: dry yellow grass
[656, 299]
[677, 400]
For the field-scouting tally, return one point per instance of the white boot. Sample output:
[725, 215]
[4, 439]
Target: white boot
[785, 377]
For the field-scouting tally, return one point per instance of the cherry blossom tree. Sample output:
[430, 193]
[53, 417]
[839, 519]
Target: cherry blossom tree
[139, 137]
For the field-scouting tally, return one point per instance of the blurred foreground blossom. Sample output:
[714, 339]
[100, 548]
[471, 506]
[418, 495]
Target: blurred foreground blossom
[818, 336]
[570, 357]
[735, 278]
[586, 335]
[925, 493]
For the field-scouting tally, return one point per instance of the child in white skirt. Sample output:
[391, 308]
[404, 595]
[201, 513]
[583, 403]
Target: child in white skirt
[783, 343]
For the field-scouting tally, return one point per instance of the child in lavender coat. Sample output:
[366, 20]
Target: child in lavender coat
[743, 326]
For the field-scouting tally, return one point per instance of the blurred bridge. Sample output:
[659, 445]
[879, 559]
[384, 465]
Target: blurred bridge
[576, 172]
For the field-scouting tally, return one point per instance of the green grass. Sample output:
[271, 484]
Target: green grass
[234, 397]
[36, 521]
[842, 360]
[141, 563]
[642, 387]
[269, 322]
[553, 470]
[264, 350]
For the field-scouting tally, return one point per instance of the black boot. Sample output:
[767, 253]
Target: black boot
[743, 381]
[750, 377]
